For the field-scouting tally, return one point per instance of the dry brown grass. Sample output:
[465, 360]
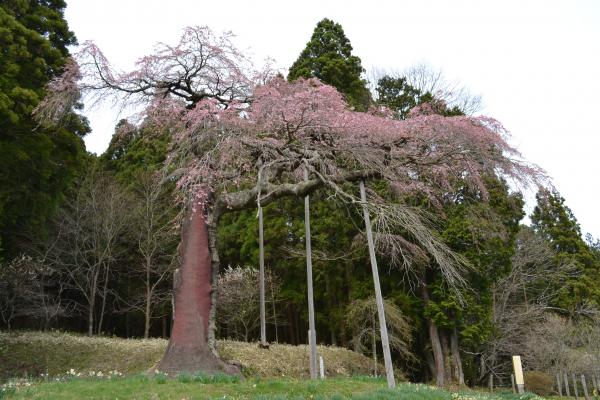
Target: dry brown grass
[35, 353]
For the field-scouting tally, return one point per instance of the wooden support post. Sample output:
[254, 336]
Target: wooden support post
[385, 344]
[566, 380]
[312, 366]
[518, 374]
[261, 261]
[575, 386]
[512, 380]
[558, 384]
[309, 281]
[584, 384]
[321, 367]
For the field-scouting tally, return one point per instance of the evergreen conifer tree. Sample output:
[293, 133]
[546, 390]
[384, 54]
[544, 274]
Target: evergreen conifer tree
[328, 56]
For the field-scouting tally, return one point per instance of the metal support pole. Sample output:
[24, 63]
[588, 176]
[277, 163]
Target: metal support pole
[575, 386]
[309, 282]
[385, 344]
[261, 258]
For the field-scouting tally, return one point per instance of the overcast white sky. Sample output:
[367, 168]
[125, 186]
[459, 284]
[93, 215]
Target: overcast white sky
[536, 63]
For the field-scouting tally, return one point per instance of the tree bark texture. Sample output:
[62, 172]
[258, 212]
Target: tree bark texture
[189, 349]
[436, 345]
[459, 374]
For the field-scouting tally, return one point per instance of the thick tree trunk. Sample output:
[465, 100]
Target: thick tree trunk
[448, 367]
[438, 355]
[459, 375]
[436, 345]
[211, 227]
[188, 349]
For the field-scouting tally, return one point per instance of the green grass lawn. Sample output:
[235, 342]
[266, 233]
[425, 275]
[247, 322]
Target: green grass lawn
[189, 387]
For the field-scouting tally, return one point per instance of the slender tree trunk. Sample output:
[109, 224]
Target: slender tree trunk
[189, 349]
[91, 319]
[92, 302]
[436, 345]
[459, 375]
[104, 294]
[147, 312]
[274, 310]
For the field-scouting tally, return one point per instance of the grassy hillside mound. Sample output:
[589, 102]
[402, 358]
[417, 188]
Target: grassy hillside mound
[55, 353]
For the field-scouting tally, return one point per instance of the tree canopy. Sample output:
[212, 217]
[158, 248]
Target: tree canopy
[38, 162]
[230, 153]
[328, 57]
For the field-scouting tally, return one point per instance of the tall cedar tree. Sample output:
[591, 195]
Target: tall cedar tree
[37, 162]
[555, 222]
[328, 56]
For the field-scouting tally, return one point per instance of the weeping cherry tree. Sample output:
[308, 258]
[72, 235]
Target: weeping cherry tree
[242, 136]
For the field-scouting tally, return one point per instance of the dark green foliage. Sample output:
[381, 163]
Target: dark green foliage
[38, 163]
[133, 151]
[555, 222]
[484, 233]
[400, 97]
[397, 95]
[338, 275]
[328, 56]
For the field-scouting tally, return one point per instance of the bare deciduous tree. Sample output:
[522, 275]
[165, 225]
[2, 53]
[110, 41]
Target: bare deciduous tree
[521, 302]
[155, 232]
[84, 246]
[426, 79]
[363, 323]
[238, 301]
[29, 288]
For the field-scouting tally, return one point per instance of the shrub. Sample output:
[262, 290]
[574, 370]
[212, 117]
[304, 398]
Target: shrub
[539, 383]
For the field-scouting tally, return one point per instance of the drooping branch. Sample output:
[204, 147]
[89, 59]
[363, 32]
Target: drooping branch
[269, 192]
